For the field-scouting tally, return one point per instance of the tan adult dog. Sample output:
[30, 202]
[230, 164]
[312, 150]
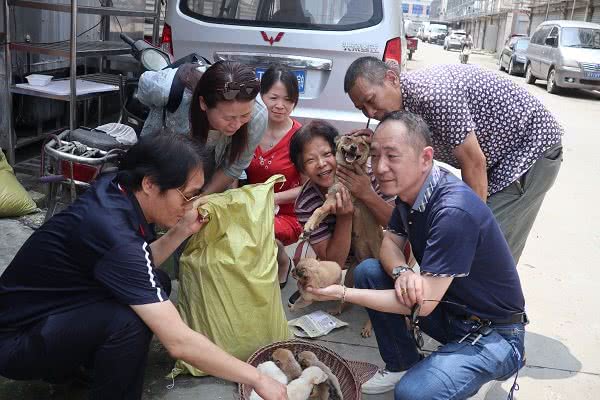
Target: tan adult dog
[352, 152]
[314, 273]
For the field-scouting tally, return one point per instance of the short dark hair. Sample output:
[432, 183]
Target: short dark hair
[280, 73]
[418, 134]
[213, 80]
[370, 68]
[314, 129]
[167, 159]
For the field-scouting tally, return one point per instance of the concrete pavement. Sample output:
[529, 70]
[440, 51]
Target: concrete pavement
[558, 270]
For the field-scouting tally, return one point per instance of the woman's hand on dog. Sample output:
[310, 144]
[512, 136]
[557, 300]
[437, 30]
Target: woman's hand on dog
[269, 389]
[343, 203]
[333, 292]
[357, 182]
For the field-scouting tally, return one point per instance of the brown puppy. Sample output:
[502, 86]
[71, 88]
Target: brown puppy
[309, 359]
[352, 152]
[285, 360]
[314, 273]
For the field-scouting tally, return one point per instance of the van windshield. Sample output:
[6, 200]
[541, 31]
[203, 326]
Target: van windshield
[588, 38]
[302, 14]
[438, 28]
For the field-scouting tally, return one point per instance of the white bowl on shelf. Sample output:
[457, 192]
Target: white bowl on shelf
[38, 80]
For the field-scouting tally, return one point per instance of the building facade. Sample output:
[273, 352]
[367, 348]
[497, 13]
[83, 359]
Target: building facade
[416, 10]
[492, 22]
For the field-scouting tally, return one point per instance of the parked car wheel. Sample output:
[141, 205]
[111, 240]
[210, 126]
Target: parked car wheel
[511, 70]
[445, 48]
[500, 67]
[529, 78]
[551, 83]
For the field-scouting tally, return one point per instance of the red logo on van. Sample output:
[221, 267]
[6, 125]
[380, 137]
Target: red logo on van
[270, 39]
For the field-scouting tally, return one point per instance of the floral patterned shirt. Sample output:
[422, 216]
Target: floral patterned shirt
[512, 126]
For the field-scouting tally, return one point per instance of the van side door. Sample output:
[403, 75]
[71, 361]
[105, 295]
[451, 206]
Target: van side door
[538, 50]
[548, 52]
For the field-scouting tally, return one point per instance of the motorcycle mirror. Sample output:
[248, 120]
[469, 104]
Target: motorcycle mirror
[153, 59]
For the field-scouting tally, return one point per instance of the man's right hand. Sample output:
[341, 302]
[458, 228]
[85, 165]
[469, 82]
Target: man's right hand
[269, 389]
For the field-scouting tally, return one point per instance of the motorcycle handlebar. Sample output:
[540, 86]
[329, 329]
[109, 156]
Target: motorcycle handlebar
[127, 39]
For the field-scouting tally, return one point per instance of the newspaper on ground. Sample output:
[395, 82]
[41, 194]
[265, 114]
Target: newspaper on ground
[315, 324]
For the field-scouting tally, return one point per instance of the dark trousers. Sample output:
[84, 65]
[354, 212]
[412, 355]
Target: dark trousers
[106, 337]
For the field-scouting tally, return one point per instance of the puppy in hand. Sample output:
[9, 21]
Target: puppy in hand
[269, 368]
[316, 274]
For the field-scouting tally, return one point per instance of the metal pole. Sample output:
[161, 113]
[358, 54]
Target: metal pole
[156, 26]
[8, 65]
[573, 9]
[73, 46]
[547, 9]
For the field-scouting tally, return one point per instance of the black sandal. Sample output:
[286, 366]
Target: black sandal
[284, 283]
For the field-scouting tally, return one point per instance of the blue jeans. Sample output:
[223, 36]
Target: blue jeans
[455, 370]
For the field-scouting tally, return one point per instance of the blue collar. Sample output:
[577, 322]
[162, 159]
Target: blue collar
[427, 189]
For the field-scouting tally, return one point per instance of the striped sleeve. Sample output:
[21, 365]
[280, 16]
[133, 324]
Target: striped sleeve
[127, 272]
[307, 202]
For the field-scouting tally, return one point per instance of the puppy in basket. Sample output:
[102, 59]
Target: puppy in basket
[301, 388]
[314, 273]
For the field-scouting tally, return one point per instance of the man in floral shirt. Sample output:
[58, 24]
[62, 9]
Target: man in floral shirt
[505, 142]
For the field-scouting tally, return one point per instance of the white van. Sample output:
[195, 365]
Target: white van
[317, 39]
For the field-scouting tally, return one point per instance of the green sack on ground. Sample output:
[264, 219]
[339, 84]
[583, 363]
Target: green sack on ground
[14, 199]
[229, 289]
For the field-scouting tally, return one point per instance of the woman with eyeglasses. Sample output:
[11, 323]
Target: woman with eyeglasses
[226, 118]
[86, 292]
[279, 92]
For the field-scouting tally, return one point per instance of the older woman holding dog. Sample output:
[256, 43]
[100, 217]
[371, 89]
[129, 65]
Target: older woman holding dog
[313, 154]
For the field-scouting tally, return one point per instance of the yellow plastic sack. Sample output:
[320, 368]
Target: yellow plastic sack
[14, 199]
[229, 289]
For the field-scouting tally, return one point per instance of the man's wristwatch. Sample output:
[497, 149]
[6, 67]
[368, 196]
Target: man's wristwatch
[397, 271]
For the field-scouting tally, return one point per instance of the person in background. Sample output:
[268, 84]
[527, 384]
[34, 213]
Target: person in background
[86, 289]
[226, 118]
[279, 92]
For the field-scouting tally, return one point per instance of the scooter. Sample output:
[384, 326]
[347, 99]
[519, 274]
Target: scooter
[151, 58]
[76, 158]
[464, 54]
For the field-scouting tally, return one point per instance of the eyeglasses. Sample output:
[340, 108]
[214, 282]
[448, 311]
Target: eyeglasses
[414, 321]
[233, 89]
[188, 199]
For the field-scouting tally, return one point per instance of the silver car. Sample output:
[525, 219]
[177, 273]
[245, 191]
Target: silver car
[455, 40]
[566, 54]
[317, 39]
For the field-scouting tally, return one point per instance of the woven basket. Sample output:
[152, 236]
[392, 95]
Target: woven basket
[350, 374]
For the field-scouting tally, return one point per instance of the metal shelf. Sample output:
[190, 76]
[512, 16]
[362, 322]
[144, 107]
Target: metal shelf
[72, 53]
[84, 49]
[66, 8]
[108, 79]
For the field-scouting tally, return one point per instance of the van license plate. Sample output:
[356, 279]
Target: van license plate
[593, 75]
[300, 75]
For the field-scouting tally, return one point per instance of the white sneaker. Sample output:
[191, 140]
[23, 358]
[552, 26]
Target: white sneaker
[383, 381]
